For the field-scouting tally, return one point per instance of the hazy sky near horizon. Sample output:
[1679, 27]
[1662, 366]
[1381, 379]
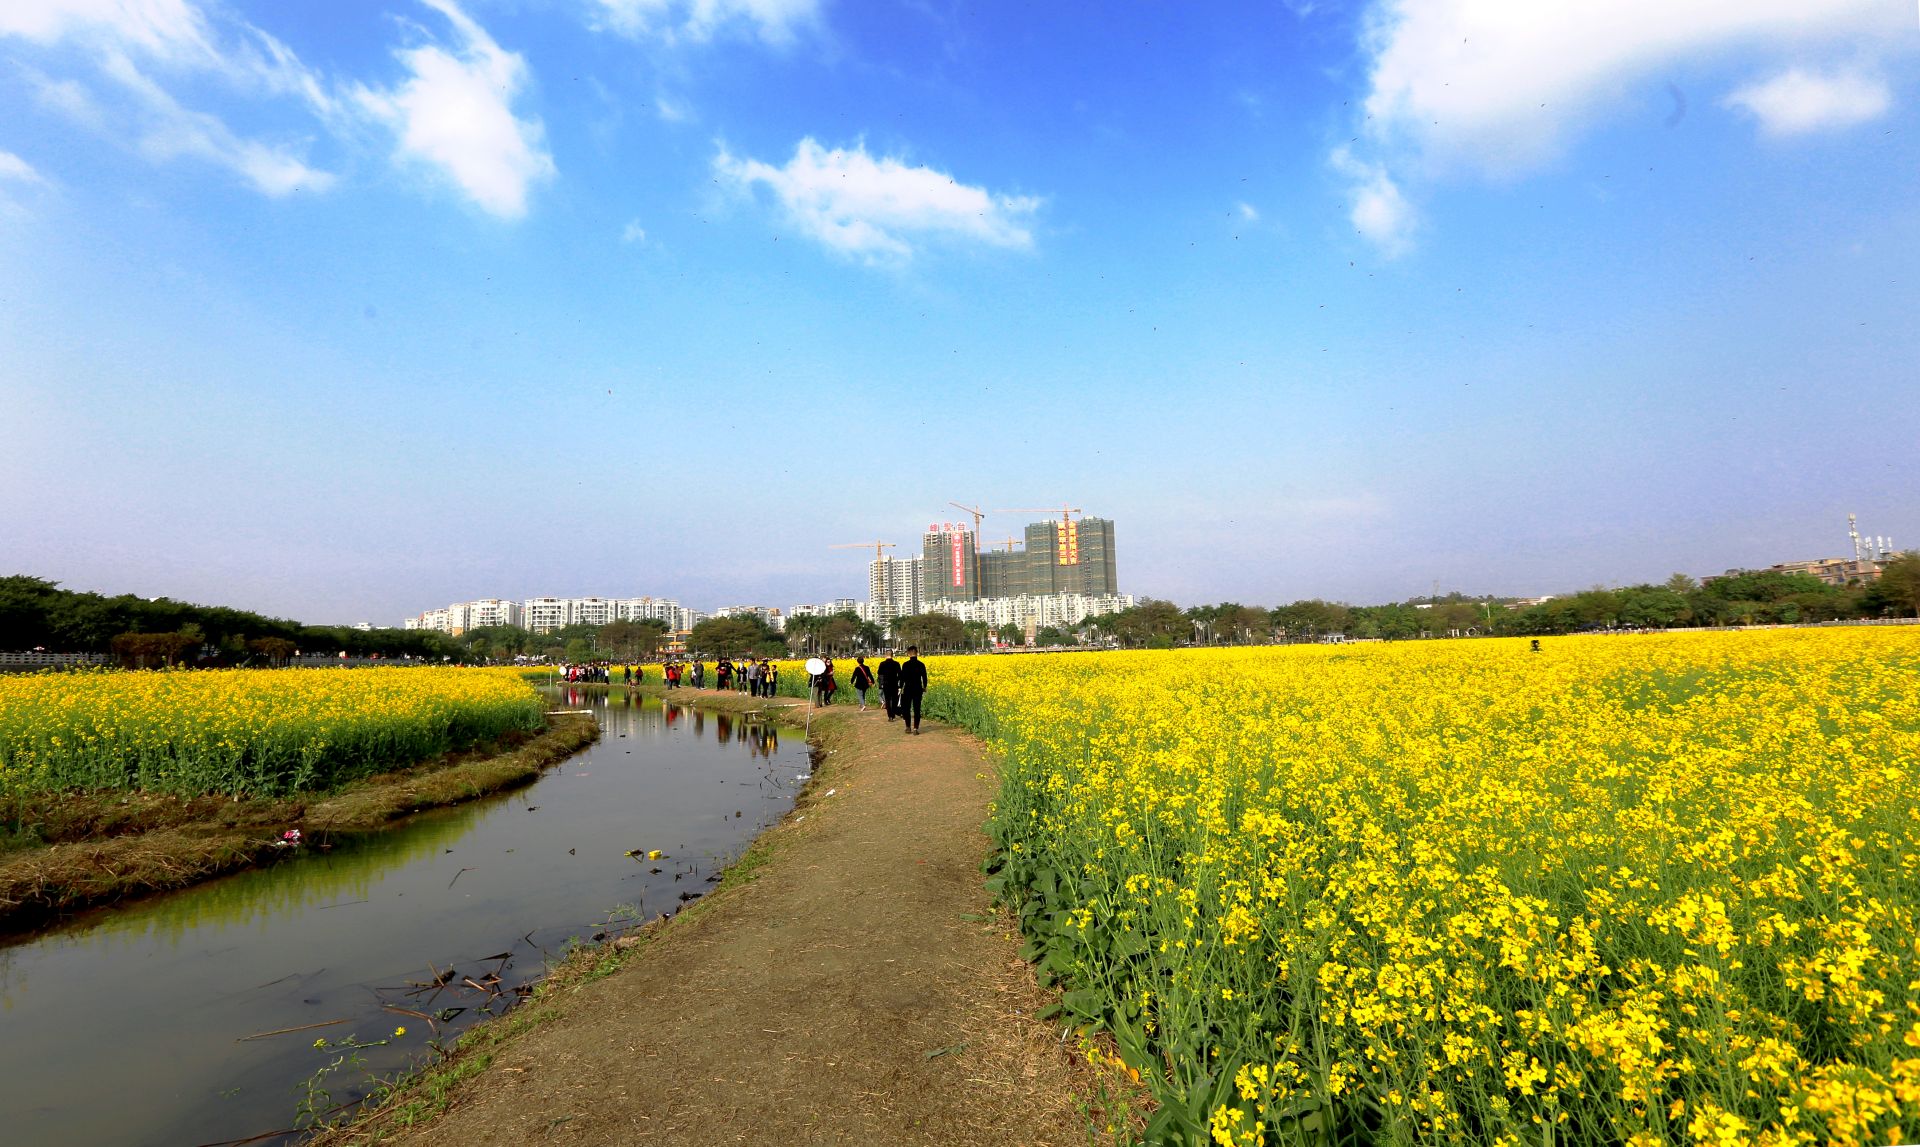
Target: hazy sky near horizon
[347, 310]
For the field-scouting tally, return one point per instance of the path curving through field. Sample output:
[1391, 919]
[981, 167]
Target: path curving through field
[857, 990]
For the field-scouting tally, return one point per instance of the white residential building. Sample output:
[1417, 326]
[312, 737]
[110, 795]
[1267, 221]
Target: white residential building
[676, 617]
[770, 614]
[893, 588]
[546, 614]
[492, 611]
[1059, 609]
[439, 619]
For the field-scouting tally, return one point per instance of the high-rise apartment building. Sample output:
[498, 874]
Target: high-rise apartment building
[893, 587]
[948, 571]
[1061, 556]
[1072, 557]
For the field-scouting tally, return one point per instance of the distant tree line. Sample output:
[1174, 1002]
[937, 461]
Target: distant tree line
[38, 614]
[1764, 597]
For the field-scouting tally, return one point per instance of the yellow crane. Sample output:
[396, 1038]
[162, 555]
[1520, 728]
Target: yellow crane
[1066, 512]
[879, 548]
[977, 515]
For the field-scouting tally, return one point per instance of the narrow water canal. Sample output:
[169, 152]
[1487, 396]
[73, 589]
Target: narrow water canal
[130, 1025]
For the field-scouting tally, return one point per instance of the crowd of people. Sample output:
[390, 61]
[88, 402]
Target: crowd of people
[901, 684]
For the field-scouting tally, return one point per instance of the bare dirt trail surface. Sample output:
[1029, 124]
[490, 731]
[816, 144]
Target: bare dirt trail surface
[858, 990]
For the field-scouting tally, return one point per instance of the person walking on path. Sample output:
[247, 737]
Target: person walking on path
[824, 685]
[913, 687]
[890, 686]
[862, 680]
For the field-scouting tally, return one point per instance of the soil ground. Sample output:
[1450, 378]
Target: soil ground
[857, 989]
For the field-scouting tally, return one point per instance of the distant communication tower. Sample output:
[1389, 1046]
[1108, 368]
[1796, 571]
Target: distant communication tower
[1868, 549]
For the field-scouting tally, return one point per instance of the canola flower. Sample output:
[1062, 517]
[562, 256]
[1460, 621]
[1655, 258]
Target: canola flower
[1642, 890]
[252, 732]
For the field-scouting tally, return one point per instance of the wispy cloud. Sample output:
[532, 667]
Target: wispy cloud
[1248, 212]
[169, 30]
[1497, 88]
[773, 21]
[1378, 211]
[13, 169]
[455, 114]
[633, 232]
[880, 209]
[129, 40]
[1796, 102]
[170, 130]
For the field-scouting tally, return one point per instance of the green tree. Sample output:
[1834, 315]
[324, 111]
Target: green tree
[1899, 583]
[632, 640]
[1151, 624]
[932, 632]
[734, 636]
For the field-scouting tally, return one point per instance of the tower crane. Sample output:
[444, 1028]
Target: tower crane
[1066, 512]
[977, 515]
[879, 548]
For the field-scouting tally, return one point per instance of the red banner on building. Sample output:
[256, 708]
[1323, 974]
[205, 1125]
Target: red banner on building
[959, 569]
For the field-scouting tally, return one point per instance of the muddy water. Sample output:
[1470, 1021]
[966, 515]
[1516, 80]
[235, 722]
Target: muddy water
[131, 1025]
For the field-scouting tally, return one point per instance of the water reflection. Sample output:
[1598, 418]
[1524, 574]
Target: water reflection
[148, 1004]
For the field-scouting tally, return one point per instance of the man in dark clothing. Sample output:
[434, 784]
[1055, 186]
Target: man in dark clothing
[890, 685]
[913, 686]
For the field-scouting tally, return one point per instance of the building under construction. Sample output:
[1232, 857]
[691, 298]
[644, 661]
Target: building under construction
[1060, 556]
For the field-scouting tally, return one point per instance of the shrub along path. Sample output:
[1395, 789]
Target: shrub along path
[854, 987]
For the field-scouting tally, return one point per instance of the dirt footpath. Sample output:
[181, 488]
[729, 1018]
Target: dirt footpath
[857, 990]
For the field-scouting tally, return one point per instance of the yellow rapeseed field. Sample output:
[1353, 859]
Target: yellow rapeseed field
[246, 732]
[1643, 890]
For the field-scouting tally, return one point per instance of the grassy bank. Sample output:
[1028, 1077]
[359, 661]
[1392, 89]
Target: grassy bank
[71, 850]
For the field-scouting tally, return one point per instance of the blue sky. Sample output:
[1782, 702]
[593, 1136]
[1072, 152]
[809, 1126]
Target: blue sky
[347, 310]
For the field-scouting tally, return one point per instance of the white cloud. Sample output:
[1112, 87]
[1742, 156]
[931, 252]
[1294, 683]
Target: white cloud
[69, 98]
[774, 21]
[169, 130]
[17, 170]
[456, 114]
[127, 37]
[633, 233]
[1380, 213]
[877, 209]
[1499, 87]
[1796, 102]
[171, 30]
[1248, 212]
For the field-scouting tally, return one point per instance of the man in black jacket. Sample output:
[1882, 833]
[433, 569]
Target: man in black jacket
[890, 685]
[913, 686]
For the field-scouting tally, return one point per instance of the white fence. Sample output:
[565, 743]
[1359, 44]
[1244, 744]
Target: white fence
[36, 659]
